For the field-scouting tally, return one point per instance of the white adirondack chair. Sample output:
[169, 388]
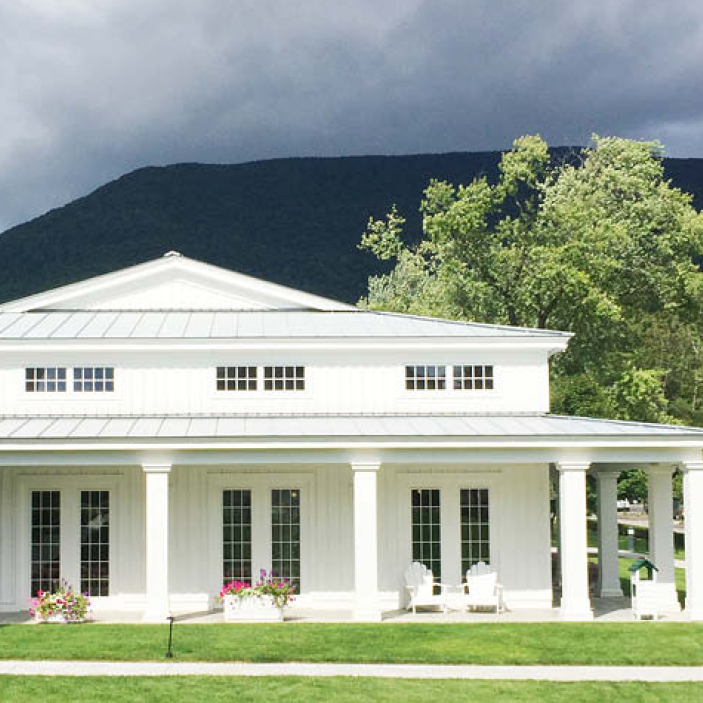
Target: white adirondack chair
[482, 589]
[644, 596]
[421, 586]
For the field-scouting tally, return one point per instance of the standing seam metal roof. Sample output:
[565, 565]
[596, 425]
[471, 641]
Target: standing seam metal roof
[394, 425]
[201, 324]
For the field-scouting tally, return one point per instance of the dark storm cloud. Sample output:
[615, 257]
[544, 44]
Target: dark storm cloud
[90, 89]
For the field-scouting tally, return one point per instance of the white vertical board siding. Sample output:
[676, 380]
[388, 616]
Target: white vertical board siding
[519, 526]
[180, 382]
[525, 536]
[7, 540]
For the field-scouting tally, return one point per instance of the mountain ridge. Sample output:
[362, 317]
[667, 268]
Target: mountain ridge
[291, 220]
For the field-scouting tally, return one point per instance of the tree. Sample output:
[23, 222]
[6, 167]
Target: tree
[599, 244]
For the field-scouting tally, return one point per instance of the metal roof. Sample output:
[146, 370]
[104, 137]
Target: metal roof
[18, 427]
[179, 324]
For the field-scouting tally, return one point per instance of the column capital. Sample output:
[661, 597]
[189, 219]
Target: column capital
[607, 474]
[564, 466]
[357, 466]
[161, 468]
[691, 465]
[661, 469]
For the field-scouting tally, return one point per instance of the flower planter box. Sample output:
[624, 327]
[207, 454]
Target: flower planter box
[57, 618]
[251, 609]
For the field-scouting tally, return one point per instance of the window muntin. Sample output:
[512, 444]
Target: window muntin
[284, 378]
[475, 528]
[45, 541]
[45, 379]
[93, 379]
[285, 535]
[425, 378]
[236, 536]
[95, 543]
[237, 378]
[426, 529]
[473, 377]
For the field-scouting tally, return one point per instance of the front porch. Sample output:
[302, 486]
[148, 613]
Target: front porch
[342, 517]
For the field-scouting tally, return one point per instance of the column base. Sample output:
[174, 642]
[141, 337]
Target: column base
[156, 616]
[577, 611]
[694, 614]
[610, 593]
[367, 613]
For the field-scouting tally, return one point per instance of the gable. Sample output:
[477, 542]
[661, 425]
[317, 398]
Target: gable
[173, 282]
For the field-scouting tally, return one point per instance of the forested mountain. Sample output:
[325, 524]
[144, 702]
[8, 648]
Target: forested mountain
[294, 221]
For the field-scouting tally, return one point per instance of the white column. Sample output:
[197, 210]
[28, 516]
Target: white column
[693, 521]
[575, 601]
[367, 606]
[158, 607]
[608, 575]
[661, 534]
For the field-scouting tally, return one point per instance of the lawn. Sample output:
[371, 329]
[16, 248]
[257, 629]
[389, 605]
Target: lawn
[213, 689]
[442, 643]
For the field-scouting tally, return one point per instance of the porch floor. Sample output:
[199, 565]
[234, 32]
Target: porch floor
[605, 610]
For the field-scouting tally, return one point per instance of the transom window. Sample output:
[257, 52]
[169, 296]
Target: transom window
[426, 529]
[285, 535]
[425, 378]
[93, 379]
[236, 378]
[95, 543]
[236, 536]
[45, 540]
[475, 528]
[473, 378]
[284, 378]
[45, 379]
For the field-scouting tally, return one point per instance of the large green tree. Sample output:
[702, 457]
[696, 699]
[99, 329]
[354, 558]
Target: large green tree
[599, 244]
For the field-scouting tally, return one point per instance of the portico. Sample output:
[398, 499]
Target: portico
[366, 506]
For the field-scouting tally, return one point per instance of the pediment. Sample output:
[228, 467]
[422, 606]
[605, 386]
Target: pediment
[174, 282]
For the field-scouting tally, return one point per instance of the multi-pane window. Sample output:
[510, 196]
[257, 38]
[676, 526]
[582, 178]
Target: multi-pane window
[236, 378]
[45, 540]
[95, 543]
[284, 378]
[425, 378]
[45, 379]
[475, 529]
[93, 379]
[285, 535]
[426, 529]
[473, 377]
[236, 536]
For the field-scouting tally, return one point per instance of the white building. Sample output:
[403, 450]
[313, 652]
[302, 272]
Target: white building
[173, 425]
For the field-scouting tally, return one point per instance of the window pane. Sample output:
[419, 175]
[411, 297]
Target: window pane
[236, 543]
[475, 528]
[426, 529]
[95, 543]
[425, 378]
[285, 535]
[45, 547]
[236, 378]
[90, 379]
[45, 380]
[284, 378]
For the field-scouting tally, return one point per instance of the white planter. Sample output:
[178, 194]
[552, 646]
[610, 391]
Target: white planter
[251, 609]
[57, 619]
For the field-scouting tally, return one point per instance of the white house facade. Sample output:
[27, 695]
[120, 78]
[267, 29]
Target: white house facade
[173, 426]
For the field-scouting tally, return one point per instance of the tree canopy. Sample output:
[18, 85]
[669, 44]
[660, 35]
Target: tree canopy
[599, 243]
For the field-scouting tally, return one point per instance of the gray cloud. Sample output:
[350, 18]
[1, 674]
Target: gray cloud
[89, 90]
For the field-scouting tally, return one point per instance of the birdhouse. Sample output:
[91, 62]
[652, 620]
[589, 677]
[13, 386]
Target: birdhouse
[644, 563]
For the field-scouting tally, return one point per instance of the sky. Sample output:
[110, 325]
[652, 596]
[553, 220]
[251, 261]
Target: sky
[92, 89]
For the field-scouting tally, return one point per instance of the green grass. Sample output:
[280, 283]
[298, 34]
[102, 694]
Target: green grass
[340, 689]
[441, 643]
